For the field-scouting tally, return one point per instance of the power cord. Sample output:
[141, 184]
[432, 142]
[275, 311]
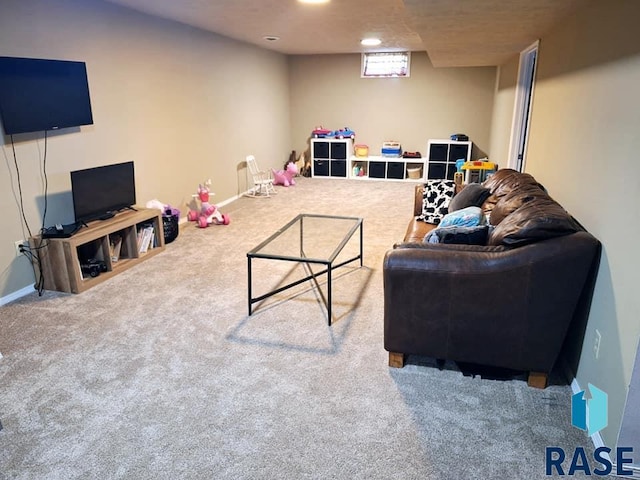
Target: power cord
[15, 161]
[46, 182]
[33, 253]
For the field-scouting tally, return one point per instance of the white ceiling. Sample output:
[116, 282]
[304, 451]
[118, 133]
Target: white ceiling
[452, 32]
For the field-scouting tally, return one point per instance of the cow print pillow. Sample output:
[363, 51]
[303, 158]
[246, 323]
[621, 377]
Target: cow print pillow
[436, 198]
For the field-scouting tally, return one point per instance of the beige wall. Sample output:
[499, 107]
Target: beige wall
[584, 145]
[185, 105]
[432, 103]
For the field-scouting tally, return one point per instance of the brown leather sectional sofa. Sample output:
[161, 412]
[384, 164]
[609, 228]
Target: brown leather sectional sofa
[512, 303]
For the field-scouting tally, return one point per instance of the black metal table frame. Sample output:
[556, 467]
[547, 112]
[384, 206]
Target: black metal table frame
[328, 263]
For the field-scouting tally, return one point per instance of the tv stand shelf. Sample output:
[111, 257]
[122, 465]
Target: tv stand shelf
[62, 257]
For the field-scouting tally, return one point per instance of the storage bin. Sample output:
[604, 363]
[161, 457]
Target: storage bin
[339, 151]
[395, 170]
[321, 168]
[377, 169]
[170, 225]
[414, 173]
[338, 168]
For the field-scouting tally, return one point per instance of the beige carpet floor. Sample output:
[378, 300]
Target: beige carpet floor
[160, 373]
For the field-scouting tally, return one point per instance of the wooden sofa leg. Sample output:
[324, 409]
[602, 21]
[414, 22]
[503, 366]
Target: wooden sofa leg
[537, 380]
[396, 360]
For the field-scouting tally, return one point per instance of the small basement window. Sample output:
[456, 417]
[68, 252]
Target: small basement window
[385, 65]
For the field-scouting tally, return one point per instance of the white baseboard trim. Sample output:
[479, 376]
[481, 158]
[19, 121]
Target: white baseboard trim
[229, 200]
[16, 295]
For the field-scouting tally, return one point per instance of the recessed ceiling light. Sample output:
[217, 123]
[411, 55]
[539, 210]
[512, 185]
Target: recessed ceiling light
[314, 1]
[370, 42]
[271, 38]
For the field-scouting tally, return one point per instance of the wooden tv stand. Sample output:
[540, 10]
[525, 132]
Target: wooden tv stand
[62, 257]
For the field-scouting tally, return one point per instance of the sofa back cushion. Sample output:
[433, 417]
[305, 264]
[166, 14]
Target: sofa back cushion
[538, 219]
[507, 180]
[512, 200]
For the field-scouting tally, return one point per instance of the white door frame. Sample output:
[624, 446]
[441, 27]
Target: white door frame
[522, 107]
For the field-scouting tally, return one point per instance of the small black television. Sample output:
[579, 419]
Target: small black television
[100, 192]
[38, 94]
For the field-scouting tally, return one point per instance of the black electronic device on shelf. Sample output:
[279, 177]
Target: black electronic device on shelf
[100, 192]
[93, 267]
[61, 231]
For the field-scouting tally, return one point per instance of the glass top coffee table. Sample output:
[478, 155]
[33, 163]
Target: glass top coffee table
[310, 239]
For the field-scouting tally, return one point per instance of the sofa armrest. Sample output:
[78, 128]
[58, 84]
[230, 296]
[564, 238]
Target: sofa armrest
[418, 196]
[494, 306]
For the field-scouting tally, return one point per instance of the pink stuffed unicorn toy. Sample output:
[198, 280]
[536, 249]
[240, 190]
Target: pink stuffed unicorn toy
[285, 177]
[208, 213]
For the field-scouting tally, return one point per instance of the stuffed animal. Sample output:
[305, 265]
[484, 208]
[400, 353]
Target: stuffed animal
[285, 177]
[207, 214]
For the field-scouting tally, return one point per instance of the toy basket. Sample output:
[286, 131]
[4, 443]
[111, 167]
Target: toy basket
[414, 172]
[170, 226]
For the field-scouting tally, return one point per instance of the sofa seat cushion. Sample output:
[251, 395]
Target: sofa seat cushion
[417, 230]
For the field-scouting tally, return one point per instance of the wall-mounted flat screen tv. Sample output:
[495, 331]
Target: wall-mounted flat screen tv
[100, 192]
[38, 95]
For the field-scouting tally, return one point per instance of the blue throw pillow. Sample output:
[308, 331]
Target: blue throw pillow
[465, 217]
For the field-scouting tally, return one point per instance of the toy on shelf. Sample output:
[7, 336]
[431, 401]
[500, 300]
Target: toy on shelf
[321, 132]
[285, 177]
[459, 137]
[345, 132]
[478, 170]
[361, 150]
[359, 170]
[458, 176]
[391, 149]
[207, 214]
